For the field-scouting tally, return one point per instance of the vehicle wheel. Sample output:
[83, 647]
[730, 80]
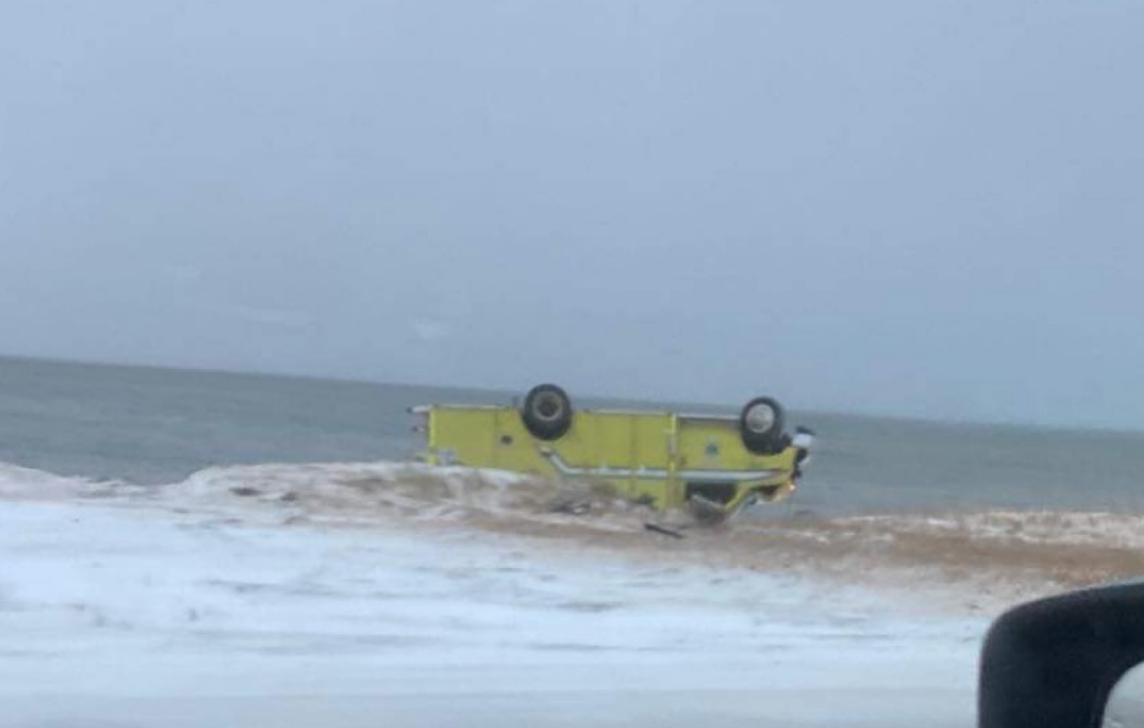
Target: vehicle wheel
[761, 426]
[547, 412]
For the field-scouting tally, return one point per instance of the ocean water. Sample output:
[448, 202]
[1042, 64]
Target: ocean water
[154, 426]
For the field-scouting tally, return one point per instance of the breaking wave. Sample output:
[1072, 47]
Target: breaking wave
[1004, 554]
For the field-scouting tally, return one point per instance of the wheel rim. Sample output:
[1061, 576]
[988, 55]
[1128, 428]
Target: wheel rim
[549, 407]
[760, 418]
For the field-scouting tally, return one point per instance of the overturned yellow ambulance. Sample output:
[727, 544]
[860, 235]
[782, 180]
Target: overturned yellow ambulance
[711, 464]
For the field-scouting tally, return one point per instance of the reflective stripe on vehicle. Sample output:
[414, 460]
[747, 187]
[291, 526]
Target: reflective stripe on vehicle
[691, 476]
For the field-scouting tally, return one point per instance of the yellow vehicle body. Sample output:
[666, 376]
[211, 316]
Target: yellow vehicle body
[663, 459]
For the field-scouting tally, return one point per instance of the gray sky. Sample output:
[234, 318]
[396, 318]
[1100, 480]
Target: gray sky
[922, 208]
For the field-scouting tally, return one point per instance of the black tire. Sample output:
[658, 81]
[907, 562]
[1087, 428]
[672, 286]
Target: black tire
[547, 412]
[760, 428]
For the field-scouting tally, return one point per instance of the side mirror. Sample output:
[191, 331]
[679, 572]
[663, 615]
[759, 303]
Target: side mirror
[1053, 663]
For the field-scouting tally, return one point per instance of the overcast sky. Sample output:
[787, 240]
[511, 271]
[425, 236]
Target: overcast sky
[921, 208]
